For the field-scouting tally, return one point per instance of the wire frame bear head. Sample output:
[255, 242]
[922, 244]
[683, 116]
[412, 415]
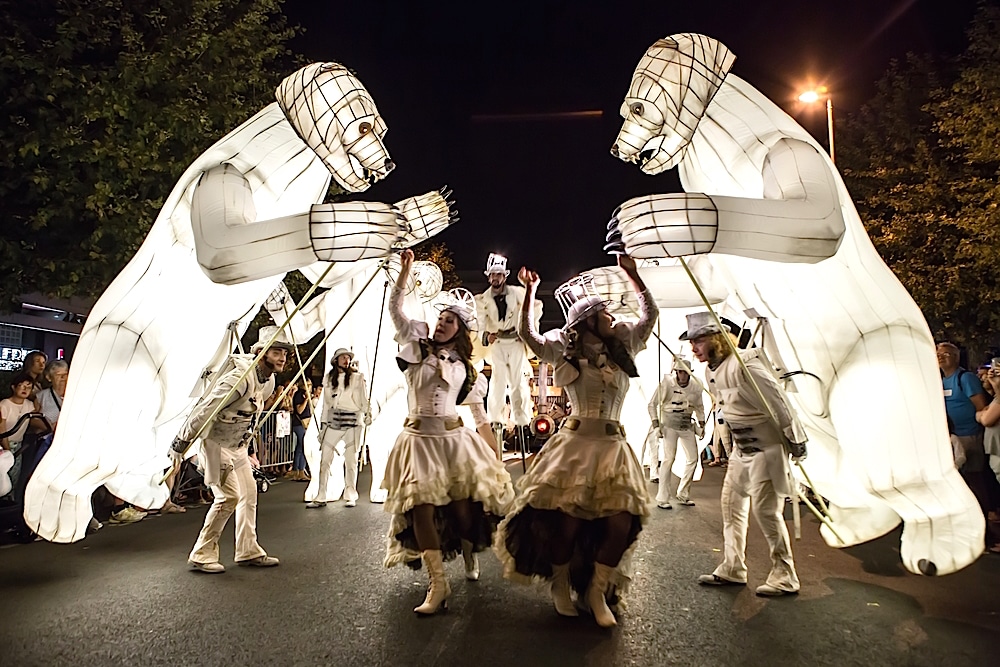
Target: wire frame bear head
[336, 117]
[671, 89]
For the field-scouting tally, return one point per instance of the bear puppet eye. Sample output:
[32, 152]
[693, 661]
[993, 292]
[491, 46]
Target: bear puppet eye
[365, 128]
[637, 108]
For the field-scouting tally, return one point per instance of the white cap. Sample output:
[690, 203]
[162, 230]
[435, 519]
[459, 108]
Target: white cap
[682, 364]
[265, 334]
[340, 351]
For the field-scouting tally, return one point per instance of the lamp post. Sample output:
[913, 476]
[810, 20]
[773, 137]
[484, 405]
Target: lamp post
[813, 96]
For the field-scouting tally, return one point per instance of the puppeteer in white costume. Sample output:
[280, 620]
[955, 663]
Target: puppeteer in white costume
[498, 309]
[345, 411]
[758, 477]
[246, 211]
[446, 489]
[770, 230]
[224, 420]
[581, 504]
[677, 411]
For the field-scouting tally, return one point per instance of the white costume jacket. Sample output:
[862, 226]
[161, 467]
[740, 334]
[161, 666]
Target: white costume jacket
[673, 405]
[337, 398]
[741, 406]
[596, 390]
[232, 422]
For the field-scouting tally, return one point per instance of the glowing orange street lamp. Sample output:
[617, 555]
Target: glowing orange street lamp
[813, 96]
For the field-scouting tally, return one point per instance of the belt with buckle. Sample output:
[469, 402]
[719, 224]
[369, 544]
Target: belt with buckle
[749, 450]
[507, 333]
[610, 427]
[450, 423]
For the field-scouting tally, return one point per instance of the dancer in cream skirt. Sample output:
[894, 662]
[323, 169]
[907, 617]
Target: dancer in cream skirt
[582, 503]
[446, 489]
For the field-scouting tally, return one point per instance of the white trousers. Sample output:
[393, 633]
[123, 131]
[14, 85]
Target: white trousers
[351, 437]
[508, 364]
[671, 438]
[236, 493]
[747, 487]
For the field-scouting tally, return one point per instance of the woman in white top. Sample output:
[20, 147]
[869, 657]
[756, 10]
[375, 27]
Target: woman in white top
[582, 504]
[446, 489]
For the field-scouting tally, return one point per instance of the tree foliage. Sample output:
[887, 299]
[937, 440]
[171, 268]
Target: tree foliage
[106, 102]
[922, 161]
[438, 253]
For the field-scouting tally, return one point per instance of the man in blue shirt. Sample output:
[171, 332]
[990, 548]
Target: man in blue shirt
[963, 397]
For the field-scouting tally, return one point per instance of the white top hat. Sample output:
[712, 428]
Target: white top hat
[265, 334]
[578, 299]
[701, 324]
[496, 264]
[463, 303]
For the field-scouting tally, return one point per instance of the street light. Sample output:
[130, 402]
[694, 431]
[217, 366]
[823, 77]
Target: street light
[813, 96]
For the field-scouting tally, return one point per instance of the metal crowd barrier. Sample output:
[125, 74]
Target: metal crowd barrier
[272, 450]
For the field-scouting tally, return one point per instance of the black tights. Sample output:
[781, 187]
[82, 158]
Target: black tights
[618, 527]
[426, 533]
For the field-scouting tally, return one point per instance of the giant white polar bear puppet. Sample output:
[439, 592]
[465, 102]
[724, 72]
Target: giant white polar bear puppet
[767, 221]
[245, 212]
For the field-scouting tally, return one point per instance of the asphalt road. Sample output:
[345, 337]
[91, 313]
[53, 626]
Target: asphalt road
[125, 596]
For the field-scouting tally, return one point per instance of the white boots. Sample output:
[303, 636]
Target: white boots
[471, 561]
[439, 590]
[595, 596]
[560, 591]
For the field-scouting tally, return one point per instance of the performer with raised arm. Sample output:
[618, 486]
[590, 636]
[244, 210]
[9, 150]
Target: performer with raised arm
[446, 489]
[581, 505]
[224, 418]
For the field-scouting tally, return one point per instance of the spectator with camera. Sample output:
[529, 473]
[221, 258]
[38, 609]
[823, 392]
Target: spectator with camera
[989, 417]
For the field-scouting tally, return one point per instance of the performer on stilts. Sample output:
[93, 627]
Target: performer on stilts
[446, 489]
[498, 310]
[581, 505]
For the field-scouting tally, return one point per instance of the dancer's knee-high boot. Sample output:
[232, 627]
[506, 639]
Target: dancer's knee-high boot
[595, 595]
[471, 561]
[439, 590]
[560, 591]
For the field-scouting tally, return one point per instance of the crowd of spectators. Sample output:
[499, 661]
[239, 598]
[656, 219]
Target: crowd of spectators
[972, 404]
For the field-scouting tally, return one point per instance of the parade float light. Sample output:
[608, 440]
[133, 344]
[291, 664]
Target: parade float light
[766, 220]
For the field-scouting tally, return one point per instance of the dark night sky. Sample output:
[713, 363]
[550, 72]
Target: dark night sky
[542, 191]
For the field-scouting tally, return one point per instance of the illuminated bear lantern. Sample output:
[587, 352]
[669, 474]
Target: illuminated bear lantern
[766, 215]
[245, 212]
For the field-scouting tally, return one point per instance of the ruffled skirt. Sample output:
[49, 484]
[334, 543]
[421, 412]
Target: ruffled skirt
[431, 464]
[590, 473]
